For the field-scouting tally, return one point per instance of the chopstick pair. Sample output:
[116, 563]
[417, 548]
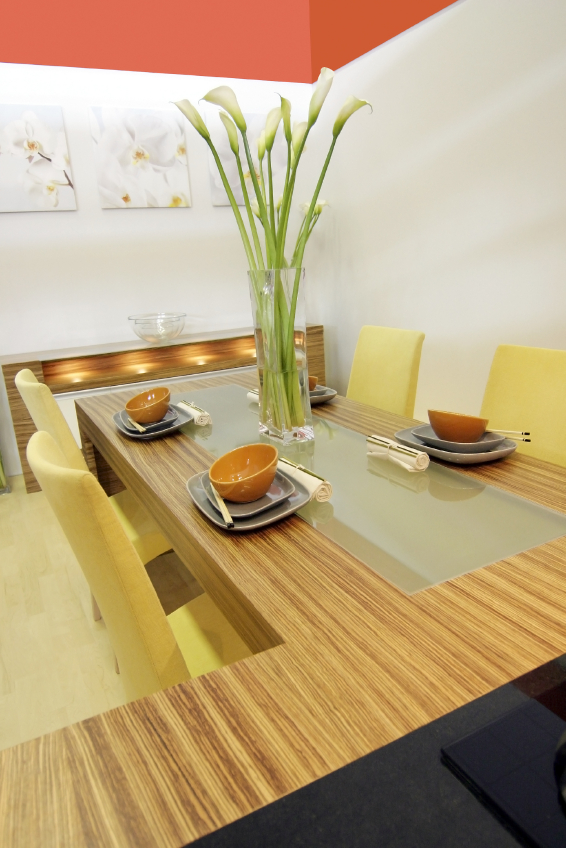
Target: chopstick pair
[517, 433]
[301, 468]
[228, 520]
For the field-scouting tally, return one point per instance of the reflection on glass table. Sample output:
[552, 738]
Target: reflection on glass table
[415, 529]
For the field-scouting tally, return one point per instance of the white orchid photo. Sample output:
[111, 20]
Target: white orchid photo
[35, 171]
[141, 158]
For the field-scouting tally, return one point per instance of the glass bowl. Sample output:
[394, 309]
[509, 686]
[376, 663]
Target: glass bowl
[158, 327]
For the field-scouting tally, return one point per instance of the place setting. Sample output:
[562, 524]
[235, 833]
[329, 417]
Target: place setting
[317, 393]
[151, 415]
[253, 486]
[460, 439]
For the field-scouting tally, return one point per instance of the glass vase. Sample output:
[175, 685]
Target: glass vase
[278, 309]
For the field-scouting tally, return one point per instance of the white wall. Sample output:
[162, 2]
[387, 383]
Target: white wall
[449, 202]
[72, 278]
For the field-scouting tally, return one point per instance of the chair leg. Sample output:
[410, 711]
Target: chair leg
[96, 614]
[116, 666]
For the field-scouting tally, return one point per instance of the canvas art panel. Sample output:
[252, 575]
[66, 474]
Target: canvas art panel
[35, 170]
[141, 158]
[255, 123]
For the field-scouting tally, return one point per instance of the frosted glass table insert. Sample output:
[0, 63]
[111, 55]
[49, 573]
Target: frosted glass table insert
[416, 530]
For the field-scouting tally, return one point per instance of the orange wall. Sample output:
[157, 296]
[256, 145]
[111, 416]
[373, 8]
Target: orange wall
[342, 30]
[285, 40]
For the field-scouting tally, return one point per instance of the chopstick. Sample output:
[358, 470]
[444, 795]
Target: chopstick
[517, 433]
[302, 468]
[192, 405]
[136, 425]
[383, 443]
[228, 520]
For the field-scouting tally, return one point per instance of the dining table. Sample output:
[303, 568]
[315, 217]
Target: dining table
[352, 648]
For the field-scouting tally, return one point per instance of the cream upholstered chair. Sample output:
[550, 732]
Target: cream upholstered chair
[47, 416]
[154, 651]
[526, 390]
[385, 369]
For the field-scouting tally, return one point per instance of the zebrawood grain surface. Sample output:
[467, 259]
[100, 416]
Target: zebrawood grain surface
[345, 661]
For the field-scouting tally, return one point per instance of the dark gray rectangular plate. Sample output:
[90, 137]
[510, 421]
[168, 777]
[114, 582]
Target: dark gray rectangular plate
[290, 505]
[280, 490]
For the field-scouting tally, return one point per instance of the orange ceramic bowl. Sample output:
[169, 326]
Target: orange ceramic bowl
[149, 406]
[454, 427]
[245, 474]
[313, 382]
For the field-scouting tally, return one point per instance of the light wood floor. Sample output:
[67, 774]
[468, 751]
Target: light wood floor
[56, 663]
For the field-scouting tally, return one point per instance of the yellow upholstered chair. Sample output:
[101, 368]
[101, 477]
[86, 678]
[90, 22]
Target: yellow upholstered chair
[385, 369]
[47, 416]
[526, 390]
[154, 651]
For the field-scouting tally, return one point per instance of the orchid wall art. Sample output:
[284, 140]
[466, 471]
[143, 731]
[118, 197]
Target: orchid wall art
[35, 172]
[255, 124]
[141, 158]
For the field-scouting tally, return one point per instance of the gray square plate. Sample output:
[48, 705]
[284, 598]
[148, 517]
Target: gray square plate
[181, 419]
[406, 438]
[321, 394]
[170, 416]
[290, 505]
[487, 442]
[280, 489]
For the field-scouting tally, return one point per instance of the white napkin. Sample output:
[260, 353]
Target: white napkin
[318, 489]
[200, 416]
[253, 395]
[408, 458]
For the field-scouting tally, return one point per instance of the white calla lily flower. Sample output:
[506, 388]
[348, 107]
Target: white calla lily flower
[255, 207]
[232, 132]
[271, 126]
[323, 85]
[351, 105]
[304, 207]
[279, 202]
[261, 146]
[299, 131]
[286, 116]
[193, 116]
[224, 97]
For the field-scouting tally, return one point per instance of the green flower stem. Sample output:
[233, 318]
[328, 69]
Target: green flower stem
[306, 233]
[257, 243]
[269, 242]
[287, 199]
[285, 190]
[234, 205]
[271, 203]
[3, 480]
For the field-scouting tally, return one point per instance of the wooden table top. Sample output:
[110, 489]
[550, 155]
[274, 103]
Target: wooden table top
[346, 662]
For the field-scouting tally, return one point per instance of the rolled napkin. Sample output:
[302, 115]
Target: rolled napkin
[253, 395]
[318, 488]
[200, 416]
[408, 458]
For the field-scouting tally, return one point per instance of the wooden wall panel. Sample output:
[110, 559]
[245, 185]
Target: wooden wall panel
[94, 370]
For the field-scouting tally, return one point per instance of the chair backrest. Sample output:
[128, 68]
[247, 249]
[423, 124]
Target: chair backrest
[47, 416]
[147, 652]
[526, 390]
[385, 369]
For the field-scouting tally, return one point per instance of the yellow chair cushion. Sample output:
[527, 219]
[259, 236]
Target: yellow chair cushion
[385, 369]
[526, 390]
[206, 638]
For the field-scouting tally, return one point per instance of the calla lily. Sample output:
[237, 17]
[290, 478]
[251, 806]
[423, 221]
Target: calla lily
[279, 202]
[232, 132]
[304, 207]
[286, 116]
[255, 207]
[193, 116]
[224, 96]
[271, 126]
[319, 95]
[299, 131]
[261, 146]
[351, 105]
